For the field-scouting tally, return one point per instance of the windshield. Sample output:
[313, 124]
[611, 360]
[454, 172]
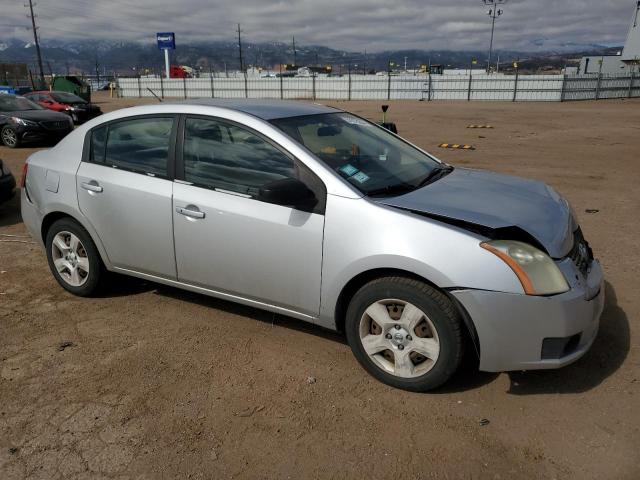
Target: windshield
[10, 103]
[64, 97]
[370, 158]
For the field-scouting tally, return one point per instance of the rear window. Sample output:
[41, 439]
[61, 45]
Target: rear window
[98, 143]
[140, 145]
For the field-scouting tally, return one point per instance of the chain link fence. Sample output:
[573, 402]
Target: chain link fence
[551, 88]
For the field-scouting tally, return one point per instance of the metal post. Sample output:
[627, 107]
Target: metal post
[630, 84]
[389, 81]
[493, 26]
[167, 68]
[184, 86]
[429, 97]
[313, 83]
[246, 87]
[139, 87]
[349, 97]
[213, 92]
[601, 61]
[564, 87]
[515, 87]
[281, 89]
[161, 86]
[469, 88]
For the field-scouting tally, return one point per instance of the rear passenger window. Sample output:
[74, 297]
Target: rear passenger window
[140, 145]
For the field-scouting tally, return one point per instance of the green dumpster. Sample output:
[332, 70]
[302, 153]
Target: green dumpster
[72, 85]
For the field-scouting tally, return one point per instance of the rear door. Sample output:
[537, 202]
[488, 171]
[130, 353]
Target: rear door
[227, 239]
[124, 190]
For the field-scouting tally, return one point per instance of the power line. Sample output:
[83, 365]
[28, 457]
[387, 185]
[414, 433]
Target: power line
[35, 37]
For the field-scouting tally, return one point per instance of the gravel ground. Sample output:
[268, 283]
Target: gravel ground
[149, 381]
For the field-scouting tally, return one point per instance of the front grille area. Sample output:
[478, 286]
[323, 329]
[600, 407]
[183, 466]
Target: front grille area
[556, 348]
[581, 253]
[56, 125]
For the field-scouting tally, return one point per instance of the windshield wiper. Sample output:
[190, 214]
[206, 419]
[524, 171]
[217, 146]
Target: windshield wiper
[391, 189]
[435, 174]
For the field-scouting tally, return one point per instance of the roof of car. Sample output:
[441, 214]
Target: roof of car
[265, 109]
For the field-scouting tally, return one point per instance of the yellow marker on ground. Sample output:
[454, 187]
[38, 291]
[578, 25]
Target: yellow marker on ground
[457, 146]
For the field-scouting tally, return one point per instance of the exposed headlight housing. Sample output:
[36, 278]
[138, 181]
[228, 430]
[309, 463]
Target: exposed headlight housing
[23, 122]
[537, 272]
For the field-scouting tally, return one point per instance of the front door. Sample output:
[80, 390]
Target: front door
[228, 240]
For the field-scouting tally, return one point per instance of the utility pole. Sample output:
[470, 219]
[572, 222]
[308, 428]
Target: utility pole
[295, 61]
[494, 12]
[240, 49]
[35, 38]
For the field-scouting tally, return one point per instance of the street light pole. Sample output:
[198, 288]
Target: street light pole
[494, 12]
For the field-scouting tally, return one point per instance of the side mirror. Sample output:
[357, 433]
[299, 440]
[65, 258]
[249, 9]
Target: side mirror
[289, 192]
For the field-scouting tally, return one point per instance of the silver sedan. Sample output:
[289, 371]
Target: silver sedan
[318, 214]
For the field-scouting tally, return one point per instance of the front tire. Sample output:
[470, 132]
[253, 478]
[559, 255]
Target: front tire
[405, 333]
[73, 258]
[10, 137]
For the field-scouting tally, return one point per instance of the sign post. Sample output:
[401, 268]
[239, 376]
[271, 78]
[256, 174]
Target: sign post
[166, 41]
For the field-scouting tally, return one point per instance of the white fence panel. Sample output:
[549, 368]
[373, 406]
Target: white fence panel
[539, 88]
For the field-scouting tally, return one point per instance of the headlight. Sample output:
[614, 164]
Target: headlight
[537, 272]
[23, 122]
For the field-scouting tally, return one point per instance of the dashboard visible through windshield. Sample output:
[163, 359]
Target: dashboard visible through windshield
[370, 158]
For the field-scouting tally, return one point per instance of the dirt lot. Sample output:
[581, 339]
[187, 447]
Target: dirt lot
[159, 383]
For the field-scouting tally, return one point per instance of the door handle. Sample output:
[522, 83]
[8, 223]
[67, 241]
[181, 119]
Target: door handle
[187, 212]
[92, 186]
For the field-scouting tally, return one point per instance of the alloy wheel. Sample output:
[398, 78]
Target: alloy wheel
[9, 137]
[70, 258]
[399, 338]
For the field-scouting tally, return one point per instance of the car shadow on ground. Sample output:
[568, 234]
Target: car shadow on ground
[10, 212]
[605, 357]
[250, 312]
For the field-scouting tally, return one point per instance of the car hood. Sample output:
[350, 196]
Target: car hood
[496, 202]
[37, 115]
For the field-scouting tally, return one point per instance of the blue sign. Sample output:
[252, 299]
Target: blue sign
[166, 40]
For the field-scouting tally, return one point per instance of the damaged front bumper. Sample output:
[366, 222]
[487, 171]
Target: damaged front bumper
[523, 332]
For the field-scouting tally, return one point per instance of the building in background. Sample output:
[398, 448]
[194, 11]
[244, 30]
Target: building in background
[626, 61]
[631, 52]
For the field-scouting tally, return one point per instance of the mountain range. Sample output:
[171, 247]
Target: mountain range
[62, 56]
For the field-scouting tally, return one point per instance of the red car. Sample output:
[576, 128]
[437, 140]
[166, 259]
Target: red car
[77, 108]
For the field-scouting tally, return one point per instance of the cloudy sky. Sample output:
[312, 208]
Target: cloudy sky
[374, 25]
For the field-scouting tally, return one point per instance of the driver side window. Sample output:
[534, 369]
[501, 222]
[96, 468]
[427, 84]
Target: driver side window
[224, 156]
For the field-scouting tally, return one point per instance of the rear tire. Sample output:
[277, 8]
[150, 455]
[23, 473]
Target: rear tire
[73, 258]
[405, 333]
[10, 137]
